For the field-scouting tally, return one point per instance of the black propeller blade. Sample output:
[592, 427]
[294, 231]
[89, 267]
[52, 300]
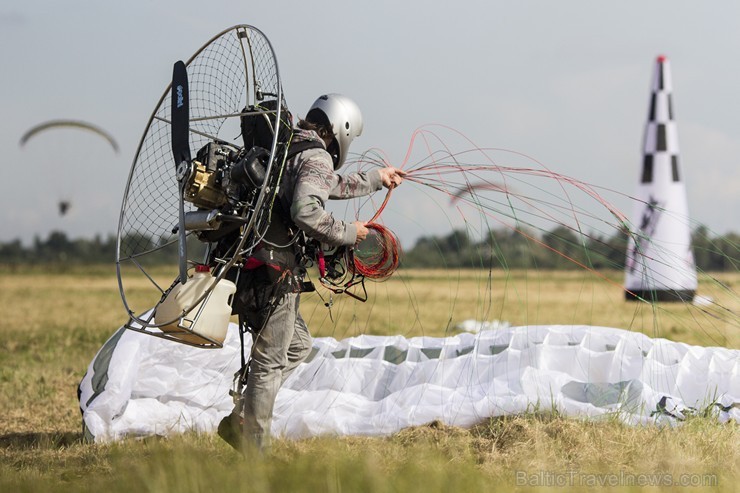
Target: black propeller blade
[181, 152]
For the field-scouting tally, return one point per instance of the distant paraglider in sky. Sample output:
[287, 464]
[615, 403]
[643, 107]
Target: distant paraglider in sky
[54, 124]
[64, 204]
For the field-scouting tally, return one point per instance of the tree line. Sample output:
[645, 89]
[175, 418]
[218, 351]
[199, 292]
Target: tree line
[559, 248]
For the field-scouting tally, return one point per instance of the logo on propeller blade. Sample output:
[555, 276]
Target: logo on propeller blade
[180, 97]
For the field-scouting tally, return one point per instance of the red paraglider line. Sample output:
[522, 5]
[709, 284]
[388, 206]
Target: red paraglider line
[384, 263]
[433, 173]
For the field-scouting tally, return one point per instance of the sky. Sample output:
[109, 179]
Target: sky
[565, 82]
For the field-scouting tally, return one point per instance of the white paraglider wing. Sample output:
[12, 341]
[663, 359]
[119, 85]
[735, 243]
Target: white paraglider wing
[377, 385]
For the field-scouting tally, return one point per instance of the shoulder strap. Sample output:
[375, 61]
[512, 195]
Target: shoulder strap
[299, 147]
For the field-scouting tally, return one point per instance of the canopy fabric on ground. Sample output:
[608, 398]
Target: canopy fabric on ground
[139, 385]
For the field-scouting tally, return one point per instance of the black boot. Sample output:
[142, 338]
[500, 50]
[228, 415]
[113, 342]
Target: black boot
[230, 429]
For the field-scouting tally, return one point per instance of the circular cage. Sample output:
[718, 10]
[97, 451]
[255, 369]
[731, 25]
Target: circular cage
[234, 74]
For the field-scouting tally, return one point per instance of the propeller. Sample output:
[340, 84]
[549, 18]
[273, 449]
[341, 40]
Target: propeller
[181, 152]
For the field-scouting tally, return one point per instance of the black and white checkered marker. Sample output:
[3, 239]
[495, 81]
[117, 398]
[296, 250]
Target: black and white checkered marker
[660, 265]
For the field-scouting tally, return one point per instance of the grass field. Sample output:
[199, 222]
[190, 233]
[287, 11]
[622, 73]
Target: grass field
[54, 320]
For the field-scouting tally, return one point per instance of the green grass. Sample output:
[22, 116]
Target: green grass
[54, 321]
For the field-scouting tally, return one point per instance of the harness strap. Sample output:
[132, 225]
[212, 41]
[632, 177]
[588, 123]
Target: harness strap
[299, 147]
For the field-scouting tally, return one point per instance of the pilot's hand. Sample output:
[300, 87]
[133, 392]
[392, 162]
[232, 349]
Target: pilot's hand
[391, 177]
[362, 231]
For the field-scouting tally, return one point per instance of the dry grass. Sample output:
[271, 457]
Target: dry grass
[54, 322]
[432, 303]
[501, 452]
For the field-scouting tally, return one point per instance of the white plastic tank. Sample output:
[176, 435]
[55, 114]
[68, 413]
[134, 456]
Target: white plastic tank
[213, 320]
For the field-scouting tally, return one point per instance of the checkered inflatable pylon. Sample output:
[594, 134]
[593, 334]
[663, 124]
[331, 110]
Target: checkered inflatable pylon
[660, 264]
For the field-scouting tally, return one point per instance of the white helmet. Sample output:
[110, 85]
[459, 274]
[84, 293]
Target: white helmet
[346, 122]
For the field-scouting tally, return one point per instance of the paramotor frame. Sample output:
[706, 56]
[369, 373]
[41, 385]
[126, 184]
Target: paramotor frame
[229, 76]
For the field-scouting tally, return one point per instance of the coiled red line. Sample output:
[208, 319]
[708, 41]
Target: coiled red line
[377, 256]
